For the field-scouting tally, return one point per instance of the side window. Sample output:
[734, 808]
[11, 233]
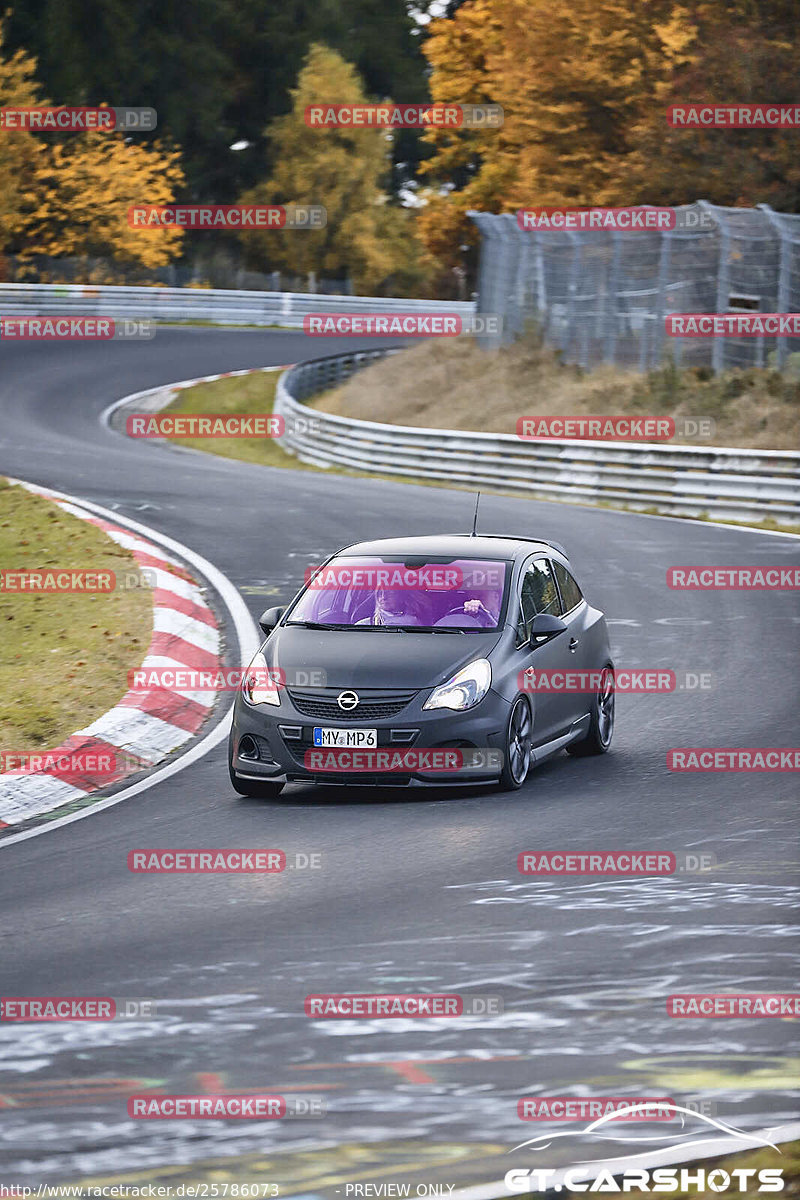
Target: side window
[570, 592]
[538, 594]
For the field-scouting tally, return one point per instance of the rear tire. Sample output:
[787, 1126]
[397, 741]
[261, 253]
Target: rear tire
[601, 722]
[517, 747]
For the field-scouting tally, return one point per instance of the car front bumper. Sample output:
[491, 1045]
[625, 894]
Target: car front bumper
[282, 736]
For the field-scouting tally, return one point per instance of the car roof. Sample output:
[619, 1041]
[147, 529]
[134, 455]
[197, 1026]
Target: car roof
[453, 545]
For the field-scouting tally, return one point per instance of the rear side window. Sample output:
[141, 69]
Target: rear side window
[570, 592]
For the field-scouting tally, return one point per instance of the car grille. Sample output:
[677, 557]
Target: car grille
[372, 706]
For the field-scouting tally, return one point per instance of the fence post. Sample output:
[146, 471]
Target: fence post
[723, 281]
[664, 259]
[784, 278]
[610, 312]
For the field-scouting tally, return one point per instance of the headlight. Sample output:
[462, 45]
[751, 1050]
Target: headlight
[258, 686]
[465, 689]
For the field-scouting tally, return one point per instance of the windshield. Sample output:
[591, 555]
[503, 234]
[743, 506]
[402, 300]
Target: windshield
[464, 594]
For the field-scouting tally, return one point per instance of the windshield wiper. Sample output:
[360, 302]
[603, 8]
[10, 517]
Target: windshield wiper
[319, 625]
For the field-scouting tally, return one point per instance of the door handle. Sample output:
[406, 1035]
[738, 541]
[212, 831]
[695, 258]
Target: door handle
[573, 644]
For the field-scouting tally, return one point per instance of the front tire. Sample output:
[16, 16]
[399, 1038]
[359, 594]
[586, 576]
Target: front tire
[601, 723]
[255, 789]
[517, 749]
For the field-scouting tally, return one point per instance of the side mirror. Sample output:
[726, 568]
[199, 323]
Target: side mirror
[544, 627]
[269, 619]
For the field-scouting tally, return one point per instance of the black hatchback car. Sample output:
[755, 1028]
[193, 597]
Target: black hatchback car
[447, 659]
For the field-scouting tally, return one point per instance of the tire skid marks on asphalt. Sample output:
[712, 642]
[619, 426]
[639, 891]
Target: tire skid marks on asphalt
[147, 724]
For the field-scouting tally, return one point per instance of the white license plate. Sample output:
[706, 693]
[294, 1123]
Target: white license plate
[353, 738]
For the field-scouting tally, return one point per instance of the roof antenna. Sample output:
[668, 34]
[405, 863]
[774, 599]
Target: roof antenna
[475, 518]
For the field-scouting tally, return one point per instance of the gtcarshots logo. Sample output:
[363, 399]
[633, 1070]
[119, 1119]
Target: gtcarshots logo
[416, 324]
[658, 1179]
[590, 1177]
[397, 1005]
[733, 579]
[404, 116]
[227, 216]
[74, 1008]
[75, 329]
[65, 119]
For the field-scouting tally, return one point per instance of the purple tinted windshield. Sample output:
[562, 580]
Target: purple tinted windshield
[465, 593]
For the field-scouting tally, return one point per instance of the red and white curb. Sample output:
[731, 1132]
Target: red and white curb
[146, 725]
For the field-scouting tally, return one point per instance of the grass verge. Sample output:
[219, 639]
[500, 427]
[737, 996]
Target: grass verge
[243, 394]
[64, 657]
[248, 394]
[446, 383]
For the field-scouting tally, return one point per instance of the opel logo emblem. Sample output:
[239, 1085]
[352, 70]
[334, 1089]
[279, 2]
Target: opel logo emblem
[347, 700]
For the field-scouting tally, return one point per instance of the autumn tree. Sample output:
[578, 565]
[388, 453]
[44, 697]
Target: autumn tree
[366, 239]
[19, 149]
[80, 190]
[69, 194]
[743, 52]
[574, 82]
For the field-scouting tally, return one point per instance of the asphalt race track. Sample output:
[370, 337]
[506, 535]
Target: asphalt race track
[416, 891]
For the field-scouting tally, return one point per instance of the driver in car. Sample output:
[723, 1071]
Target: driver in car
[397, 607]
[487, 610]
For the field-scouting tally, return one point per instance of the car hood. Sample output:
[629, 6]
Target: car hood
[371, 659]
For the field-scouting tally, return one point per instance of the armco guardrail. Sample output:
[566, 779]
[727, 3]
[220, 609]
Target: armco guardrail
[217, 305]
[725, 484]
